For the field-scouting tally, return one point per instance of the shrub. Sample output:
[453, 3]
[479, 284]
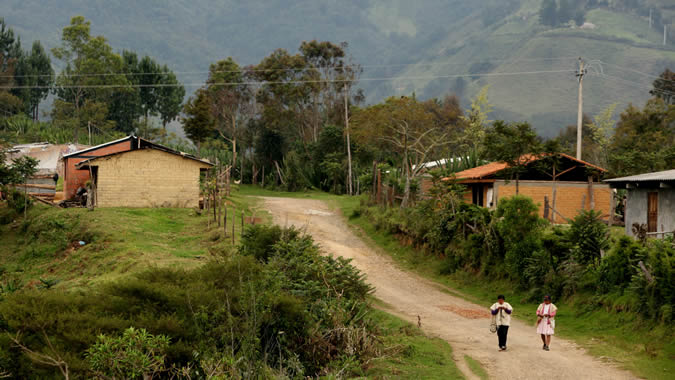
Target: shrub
[616, 270]
[590, 236]
[298, 310]
[136, 354]
[259, 240]
[520, 227]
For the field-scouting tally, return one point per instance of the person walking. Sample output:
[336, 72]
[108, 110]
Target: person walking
[546, 321]
[501, 316]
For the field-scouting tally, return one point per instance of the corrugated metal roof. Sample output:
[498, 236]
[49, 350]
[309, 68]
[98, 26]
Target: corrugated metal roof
[666, 175]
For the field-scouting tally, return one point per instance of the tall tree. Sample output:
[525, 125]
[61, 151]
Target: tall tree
[664, 87]
[92, 74]
[404, 126]
[476, 121]
[644, 140]
[602, 130]
[43, 77]
[512, 143]
[198, 123]
[229, 100]
[170, 97]
[9, 104]
[548, 13]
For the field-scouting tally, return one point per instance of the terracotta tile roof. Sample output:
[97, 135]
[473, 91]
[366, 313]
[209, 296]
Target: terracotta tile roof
[493, 168]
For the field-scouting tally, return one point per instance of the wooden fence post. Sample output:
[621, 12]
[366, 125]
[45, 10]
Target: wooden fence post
[546, 206]
[225, 222]
[234, 216]
[612, 208]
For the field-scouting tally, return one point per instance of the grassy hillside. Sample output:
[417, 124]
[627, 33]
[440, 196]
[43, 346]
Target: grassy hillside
[125, 245]
[434, 43]
[118, 242]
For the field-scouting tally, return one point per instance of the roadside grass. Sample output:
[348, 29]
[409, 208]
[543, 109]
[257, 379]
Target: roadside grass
[622, 338]
[117, 241]
[409, 353]
[476, 367]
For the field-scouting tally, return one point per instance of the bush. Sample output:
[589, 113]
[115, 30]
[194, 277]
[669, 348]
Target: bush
[616, 270]
[520, 228]
[590, 236]
[295, 310]
[136, 354]
[259, 240]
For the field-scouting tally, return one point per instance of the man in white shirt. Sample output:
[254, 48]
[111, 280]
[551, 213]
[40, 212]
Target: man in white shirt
[501, 316]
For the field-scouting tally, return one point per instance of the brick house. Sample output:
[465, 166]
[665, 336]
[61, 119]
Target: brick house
[74, 178]
[145, 175]
[576, 186]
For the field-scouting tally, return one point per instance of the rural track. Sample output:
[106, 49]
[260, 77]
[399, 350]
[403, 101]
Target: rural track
[461, 323]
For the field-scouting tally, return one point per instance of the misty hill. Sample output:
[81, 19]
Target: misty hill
[432, 45]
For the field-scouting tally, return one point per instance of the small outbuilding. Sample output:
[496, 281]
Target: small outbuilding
[148, 175]
[650, 201]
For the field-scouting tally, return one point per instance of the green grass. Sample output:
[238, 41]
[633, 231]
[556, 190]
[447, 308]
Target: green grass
[409, 354]
[639, 346]
[118, 241]
[476, 367]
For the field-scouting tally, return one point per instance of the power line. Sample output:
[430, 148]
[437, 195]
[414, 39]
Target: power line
[636, 84]
[244, 70]
[637, 72]
[260, 83]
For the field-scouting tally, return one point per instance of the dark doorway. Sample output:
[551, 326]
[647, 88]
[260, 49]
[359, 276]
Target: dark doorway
[652, 212]
[477, 195]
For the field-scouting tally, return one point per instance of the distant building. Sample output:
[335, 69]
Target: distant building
[50, 165]
[650, 201]
[572, 186]
[133, 172]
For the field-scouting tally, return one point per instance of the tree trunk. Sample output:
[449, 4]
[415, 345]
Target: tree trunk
[517, 183]
[406, 190]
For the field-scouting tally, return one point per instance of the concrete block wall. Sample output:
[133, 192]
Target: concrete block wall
[569, 195]
[148, 178]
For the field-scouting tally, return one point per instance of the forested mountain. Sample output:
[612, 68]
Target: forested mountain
[445, 40]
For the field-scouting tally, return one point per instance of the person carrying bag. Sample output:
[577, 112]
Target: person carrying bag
[501, 320]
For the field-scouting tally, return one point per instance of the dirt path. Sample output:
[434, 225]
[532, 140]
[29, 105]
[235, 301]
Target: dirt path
[463, 324]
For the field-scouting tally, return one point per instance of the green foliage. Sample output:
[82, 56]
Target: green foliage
[513, 143]
[299, 314]
[520, 227]
[590, 236]
[259, 240]
[136, 354]
[198, 123]
[644, 140]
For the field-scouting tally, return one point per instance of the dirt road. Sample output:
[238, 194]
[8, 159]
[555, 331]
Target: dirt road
[463, 324]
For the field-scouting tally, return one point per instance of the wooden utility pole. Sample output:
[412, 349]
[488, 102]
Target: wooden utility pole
[349, 148]
[580, 110]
